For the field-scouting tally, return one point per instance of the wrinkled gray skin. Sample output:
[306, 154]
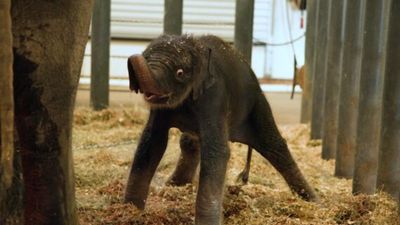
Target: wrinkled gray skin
[203, 87]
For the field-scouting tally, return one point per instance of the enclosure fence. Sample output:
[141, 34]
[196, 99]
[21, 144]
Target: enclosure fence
[352, 56]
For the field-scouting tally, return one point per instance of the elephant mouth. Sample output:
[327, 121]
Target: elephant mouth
[141, 81]
[156, 99]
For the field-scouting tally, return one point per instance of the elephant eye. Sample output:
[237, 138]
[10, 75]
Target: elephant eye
[179, 73]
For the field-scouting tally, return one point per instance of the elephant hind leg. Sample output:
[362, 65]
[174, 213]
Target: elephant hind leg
[270, 144]
[188, 161]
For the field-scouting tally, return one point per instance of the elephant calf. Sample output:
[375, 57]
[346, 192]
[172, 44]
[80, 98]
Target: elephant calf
[203, 87]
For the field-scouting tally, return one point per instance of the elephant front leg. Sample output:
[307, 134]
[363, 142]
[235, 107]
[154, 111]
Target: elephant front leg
[213, 163]
[150, 150]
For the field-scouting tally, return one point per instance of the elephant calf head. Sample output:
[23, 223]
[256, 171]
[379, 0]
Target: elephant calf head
[168, 70]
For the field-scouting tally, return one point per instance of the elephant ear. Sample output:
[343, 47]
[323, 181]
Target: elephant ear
[207, 75]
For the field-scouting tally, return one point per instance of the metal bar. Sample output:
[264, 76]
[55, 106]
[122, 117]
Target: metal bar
[243, 41]
[173, 16]
[332, 81]
[309, 55]
[389, 157]
[100, 64]
[371, 86]
[320, 71]
[349, 88]
[244, 27]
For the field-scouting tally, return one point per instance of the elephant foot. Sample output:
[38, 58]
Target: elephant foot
[175, 180]
[310, 196]
[136, 201]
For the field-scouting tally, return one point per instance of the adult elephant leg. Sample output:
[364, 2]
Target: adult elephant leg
[6, 110]
[188, 161]
[47, 64]
[273, 147]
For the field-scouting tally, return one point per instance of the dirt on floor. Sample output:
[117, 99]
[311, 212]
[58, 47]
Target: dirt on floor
[104, 143]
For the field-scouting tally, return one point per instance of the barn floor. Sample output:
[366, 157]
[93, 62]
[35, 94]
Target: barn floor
[104, 142]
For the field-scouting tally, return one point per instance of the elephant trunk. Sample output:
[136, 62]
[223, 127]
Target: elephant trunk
[140, 78]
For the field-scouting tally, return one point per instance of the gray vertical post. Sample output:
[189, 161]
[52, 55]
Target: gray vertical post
[320, 71]
[389, 157]
[309, 55]
[244, 27]
[348, 99]
[369, 110]
[244, 38]
[173, 16]
[100, 42]
[332, 81]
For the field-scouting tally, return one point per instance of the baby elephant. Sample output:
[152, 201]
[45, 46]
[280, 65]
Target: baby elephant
[203, 87]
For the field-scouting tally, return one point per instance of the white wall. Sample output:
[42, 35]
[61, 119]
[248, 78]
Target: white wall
[143, 19]
[279, 61]
[120, 50]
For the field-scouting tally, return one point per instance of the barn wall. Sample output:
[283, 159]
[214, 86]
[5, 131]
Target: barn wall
[135, 22]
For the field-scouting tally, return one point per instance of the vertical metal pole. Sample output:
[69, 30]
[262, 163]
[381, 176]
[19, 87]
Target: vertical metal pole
[332, 81]
[173, 16]
[320, 71]
[100, 42]
[244, 27]
[309, 55]
[369, 110]
[389, 157]
[243, 41]
[349, 88]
